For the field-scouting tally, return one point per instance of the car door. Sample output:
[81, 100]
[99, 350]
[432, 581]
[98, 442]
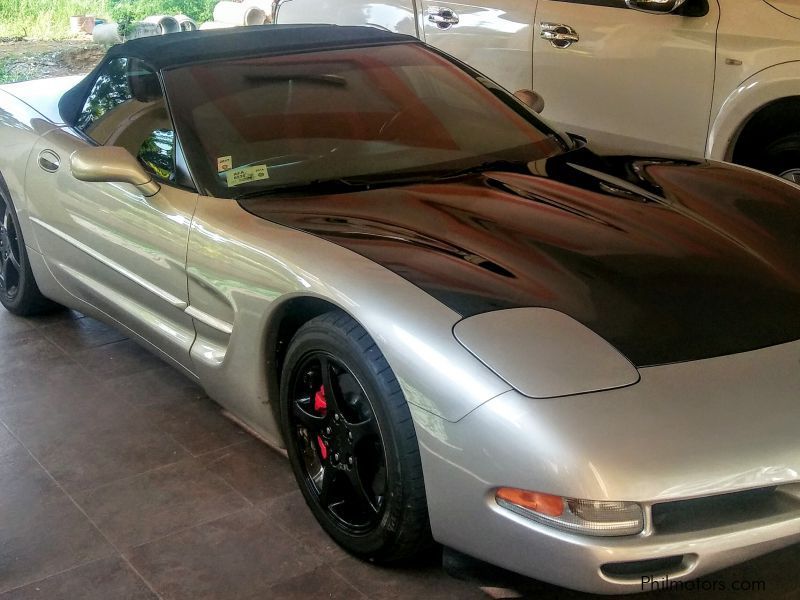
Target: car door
[493, 37]
[107, 243]
[632, 81]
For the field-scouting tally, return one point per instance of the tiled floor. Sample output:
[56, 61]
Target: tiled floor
[119, 480]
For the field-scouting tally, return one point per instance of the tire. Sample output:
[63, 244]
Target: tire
[351, 441]
[780, 157]
[19, 293]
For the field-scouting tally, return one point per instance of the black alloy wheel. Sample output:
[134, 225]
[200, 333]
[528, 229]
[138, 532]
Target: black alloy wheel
[10, 254]
[19, 293]
[351, 441]
[336, 433]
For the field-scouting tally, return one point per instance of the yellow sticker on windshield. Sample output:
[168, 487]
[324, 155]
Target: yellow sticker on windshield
[224, 163]
[246, 174]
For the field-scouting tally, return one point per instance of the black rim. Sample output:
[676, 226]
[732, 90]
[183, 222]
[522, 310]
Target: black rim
[10, 254]
[338, 442]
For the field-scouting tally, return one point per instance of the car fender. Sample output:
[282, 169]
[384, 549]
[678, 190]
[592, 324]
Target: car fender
[243, 268]
[759, 90]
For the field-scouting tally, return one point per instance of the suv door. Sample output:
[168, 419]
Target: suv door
[494, 38]
[106, 243]
[633, 82]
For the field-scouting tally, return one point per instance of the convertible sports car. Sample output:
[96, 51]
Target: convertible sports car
[462, 325]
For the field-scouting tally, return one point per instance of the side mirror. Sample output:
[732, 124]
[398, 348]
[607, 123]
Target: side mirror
[530, 98]
[111, 163]
[655, 6]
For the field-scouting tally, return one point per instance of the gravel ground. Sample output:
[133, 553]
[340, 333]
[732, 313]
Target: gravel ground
[22, 59]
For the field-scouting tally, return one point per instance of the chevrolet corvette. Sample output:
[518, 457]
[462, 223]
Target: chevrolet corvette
[463, 326]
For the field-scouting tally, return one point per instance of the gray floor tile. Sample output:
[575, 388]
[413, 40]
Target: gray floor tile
[291, 512]
[200, 428]
[256, 471]
[11, 324]
[321, 583]
[382, 583]
[23, 482]
[104, 579]
[82, 459]
[24, 349]
[163, 387]
[44, 538]
[235, 557]
[8, 443]
[140, 509]
[74, 335]
[57, 316]
[43, 378]
[117, 359]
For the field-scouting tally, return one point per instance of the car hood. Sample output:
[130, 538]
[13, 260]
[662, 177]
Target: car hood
[669, 261]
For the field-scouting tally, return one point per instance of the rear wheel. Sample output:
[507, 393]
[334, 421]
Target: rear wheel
[18, 290]
[351, 441]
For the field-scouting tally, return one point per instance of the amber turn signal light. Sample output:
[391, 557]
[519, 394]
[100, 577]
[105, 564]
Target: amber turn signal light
[545, 504]
[587, 517]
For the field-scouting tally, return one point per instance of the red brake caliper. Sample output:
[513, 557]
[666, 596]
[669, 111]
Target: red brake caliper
[320, 406]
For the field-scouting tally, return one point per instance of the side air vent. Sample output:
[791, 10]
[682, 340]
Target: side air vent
[727, 509]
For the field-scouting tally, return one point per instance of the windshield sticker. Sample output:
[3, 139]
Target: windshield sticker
[224, 163]
[246, 174]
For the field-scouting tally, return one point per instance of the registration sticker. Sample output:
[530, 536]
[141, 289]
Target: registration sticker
[246, 174]
[224, 163]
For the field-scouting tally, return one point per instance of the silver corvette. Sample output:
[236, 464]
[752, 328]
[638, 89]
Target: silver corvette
[462, 325]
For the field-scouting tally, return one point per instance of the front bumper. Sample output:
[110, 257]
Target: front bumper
[612, 565]
[686, 433]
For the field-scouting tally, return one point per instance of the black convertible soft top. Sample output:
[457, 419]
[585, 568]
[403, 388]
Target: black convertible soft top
[176, 49]
[165, 51]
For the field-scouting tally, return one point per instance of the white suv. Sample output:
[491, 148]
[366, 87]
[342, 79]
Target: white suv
[715, 78]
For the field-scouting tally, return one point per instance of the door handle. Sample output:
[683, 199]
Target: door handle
[559, 35]
[444, 18]
[49, 161]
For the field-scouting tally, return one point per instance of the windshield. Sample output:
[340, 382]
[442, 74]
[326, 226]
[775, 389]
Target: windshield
[365, 114]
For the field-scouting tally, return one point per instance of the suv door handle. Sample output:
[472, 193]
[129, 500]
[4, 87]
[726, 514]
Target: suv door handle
[558, 34]
[443, 17]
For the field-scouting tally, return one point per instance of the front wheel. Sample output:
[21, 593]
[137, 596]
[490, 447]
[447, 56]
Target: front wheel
[351, 441]
[18, 290]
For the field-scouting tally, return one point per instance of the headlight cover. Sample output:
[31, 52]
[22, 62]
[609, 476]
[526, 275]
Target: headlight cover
[586, 517]
[544, 353]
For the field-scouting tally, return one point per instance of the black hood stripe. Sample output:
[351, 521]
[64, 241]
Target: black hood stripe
[669, 261]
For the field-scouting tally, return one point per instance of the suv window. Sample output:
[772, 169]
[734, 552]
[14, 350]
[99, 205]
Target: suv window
[126, 108]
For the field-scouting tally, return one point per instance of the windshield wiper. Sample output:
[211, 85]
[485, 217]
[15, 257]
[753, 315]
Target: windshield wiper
[318, 186]
[515, 166]
[340, 185]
